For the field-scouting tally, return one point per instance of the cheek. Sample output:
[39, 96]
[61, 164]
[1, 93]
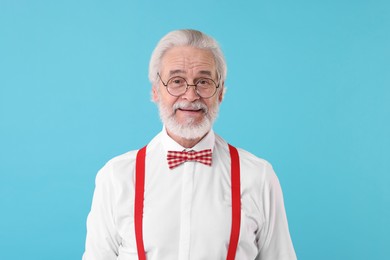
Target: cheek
[167, 101]
[160, 95]
[212, 102]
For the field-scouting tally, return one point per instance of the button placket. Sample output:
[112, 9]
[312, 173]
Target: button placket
[185, 210]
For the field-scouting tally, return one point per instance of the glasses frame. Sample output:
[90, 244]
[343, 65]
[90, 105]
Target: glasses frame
[190, 85]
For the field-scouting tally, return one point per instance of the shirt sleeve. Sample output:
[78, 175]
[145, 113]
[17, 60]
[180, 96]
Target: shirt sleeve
[274, 241]
[102, 240]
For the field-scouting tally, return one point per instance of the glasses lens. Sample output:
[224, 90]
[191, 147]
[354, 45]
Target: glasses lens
[177, 86]
[206, 87]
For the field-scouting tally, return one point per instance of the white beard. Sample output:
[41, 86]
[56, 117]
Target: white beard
[189, 129]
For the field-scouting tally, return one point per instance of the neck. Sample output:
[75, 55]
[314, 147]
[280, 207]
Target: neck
[186, 143]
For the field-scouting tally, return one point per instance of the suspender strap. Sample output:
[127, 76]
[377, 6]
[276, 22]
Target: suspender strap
[236, 202]
[139, 201]
[235, 193]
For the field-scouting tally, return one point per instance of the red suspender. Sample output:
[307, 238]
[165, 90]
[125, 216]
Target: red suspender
[236, 202]
[139, 201]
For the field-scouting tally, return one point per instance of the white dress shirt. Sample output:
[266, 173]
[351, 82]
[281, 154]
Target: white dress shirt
[187, 210]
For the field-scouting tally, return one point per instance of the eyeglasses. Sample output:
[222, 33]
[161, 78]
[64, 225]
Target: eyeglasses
[177, 86]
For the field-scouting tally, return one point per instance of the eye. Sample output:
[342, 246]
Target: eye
[204, 83]
[176, 82]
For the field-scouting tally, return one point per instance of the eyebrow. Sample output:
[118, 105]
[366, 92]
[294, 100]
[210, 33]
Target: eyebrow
[174, 72]
[202, 72]
[205, 72]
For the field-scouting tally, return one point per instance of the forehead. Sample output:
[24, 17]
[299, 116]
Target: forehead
[187, 60]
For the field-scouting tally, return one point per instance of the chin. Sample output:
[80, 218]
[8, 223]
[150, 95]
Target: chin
[188, 131]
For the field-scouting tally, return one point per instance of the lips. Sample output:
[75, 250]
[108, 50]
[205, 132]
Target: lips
[190, 110]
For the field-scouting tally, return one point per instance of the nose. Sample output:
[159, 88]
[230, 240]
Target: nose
[191, 94]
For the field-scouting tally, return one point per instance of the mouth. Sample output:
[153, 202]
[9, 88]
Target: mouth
[188, 110]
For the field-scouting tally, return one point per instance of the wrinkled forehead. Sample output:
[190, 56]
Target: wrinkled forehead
[187, 60]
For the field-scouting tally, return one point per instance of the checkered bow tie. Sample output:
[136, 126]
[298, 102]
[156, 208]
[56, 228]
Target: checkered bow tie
[175, 158]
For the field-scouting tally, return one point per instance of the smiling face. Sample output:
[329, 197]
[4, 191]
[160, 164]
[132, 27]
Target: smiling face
[187, 116]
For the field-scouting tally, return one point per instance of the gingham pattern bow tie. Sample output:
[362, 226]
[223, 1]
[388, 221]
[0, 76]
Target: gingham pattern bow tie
[176, 158]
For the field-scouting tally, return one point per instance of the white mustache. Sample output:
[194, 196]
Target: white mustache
[190, 106]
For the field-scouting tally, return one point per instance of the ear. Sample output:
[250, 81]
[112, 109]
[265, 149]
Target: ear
[155, 93]
[221, 93]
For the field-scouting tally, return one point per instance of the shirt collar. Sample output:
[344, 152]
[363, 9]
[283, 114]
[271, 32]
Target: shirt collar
[171, 145]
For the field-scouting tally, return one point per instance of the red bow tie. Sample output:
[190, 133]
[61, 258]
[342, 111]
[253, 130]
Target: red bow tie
[176, 158]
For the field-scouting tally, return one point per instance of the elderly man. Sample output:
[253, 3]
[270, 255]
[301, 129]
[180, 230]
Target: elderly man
[188, 194]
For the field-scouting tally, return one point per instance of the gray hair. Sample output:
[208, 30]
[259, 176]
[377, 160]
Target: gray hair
[192, 38]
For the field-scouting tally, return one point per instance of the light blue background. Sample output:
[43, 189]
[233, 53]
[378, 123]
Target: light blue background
[308, 90]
